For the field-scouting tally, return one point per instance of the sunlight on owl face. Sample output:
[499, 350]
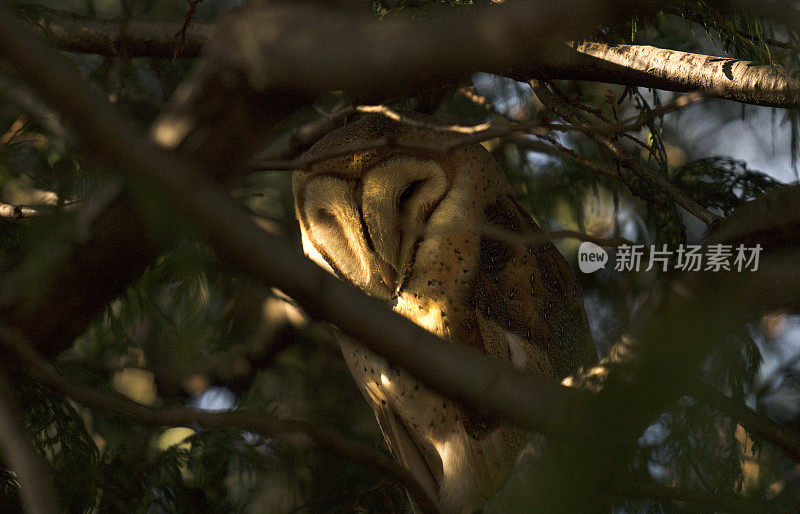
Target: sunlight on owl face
[366, 227]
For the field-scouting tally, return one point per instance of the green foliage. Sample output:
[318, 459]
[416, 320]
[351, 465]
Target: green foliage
[692, 447]
[215, 471]
[722, 183]
[58, 433]
[742, 35]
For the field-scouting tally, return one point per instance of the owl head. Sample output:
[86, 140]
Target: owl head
[364, 216]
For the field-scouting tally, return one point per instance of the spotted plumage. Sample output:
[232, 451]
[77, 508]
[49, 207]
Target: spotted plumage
[441, 236]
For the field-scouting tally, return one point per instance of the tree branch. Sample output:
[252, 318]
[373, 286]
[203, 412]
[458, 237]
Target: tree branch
[22, 211]
[142, 38]
[781, 437]
[671, 70]
[635, 65]
[656, 180]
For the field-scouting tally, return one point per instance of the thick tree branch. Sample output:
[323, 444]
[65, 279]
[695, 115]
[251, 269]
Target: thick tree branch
[671, 70]
[636, 65]
[142, 38]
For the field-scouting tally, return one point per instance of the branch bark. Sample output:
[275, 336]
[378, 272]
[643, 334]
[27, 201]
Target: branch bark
[142, 38]
[671, 70]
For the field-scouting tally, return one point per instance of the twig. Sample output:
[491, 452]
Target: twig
[181, 34]
[22, 211]
[480, 132]
[633, 124]
[242, 418]
[556, 149]
[581, 109]
[307, 162]
[472, 95]
[38, 490]
[638, 122]
[655, 179]
[413, 122]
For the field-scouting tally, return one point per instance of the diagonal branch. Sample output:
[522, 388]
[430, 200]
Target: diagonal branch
[451, 369]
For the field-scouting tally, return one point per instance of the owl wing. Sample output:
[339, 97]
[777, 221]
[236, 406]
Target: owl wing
[527, 288]
[529, 313]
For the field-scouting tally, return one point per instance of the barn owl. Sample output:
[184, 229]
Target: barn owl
[441, 237]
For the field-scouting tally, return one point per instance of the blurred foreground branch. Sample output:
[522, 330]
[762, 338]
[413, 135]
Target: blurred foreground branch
[142, 38]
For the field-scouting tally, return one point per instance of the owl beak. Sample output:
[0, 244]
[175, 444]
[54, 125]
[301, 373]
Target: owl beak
[408, 256]
[387, 274]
